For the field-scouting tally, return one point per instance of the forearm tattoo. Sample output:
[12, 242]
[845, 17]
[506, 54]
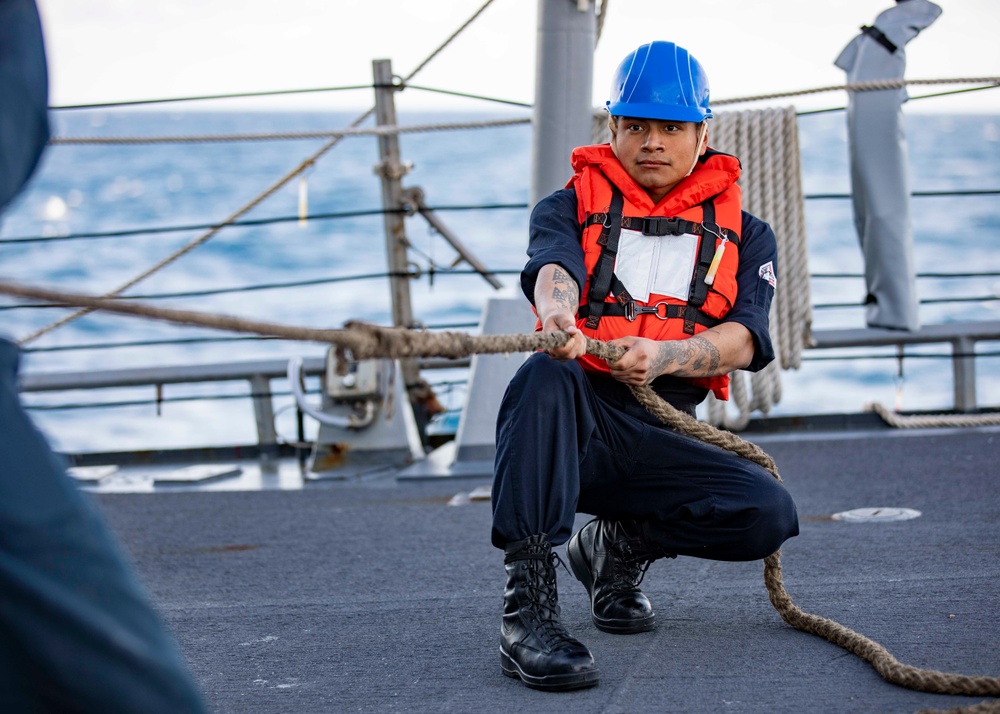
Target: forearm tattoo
[693, 357]
[565, 292]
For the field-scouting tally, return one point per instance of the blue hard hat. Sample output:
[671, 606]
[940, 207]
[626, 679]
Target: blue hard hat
[660, 81]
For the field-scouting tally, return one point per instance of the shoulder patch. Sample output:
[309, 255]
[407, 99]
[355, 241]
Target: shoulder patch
[766, 272]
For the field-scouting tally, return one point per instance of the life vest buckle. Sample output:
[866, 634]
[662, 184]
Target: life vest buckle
[662, 226]
[632, 310]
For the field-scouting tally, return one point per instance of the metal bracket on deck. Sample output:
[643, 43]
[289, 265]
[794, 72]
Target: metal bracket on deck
[366, 419]
[357, 393]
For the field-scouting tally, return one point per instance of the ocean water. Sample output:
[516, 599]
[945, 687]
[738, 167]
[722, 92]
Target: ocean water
[109, 188]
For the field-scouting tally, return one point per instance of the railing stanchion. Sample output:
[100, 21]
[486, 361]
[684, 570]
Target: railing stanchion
[263, 409]
[963, 365]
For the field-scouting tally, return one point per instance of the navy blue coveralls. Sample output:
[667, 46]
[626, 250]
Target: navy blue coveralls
[572, 441]
[77, 630]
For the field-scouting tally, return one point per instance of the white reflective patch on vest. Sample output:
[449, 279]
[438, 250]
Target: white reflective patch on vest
[656, 264]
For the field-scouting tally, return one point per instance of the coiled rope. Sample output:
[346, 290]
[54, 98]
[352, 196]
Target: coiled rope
[766, 140]
[362, 341]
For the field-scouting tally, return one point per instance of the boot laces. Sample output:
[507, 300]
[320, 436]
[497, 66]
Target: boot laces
[629, 567]
[542, 594]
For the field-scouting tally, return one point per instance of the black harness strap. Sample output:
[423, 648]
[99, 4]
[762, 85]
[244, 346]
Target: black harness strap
[651, 225]
[879, 36]
[604, 271]
[658, 226]
[603, 280]
[699, 288]
[661, 310]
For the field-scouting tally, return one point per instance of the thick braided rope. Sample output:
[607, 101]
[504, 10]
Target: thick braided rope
[891, 669]
[766, 388]
[981, 708]
[931, 420]
[739, 395]
[774, 198]
[359, 340]
[868, 86]
[684, 422]
[364, 341]
[796, 256]
[767, 154]
[766, 140]
[778, 201]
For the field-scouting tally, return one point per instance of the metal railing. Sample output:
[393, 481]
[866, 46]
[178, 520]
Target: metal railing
[961, 336]
[258, 373]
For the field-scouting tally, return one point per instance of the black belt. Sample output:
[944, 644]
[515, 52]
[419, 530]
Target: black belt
[659, 226]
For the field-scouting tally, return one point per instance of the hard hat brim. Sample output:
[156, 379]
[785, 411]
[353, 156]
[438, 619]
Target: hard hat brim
[658, 111]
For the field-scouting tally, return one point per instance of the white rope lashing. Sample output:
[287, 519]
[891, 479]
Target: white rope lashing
[766, 142]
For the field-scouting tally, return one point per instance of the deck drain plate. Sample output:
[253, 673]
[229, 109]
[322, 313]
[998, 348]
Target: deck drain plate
[876, 515]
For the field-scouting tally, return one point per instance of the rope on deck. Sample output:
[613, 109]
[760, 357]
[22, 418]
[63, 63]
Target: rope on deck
[914, 421]
[363, 341]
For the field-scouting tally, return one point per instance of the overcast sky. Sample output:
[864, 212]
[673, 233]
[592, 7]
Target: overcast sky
[114, 50]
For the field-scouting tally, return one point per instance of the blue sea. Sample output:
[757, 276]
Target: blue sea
[87, 189]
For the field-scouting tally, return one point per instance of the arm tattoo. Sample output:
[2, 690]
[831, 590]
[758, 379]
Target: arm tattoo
[564, 290]
[693, 357]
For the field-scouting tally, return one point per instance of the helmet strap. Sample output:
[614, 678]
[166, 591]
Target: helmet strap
[697, 148]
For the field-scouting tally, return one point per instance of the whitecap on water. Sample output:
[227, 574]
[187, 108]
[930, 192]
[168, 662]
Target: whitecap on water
[54, 209]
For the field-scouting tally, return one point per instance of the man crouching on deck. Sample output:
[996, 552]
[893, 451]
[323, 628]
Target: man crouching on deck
[648, 248]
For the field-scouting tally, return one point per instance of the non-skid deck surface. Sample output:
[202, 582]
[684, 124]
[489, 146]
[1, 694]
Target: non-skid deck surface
[377, 596]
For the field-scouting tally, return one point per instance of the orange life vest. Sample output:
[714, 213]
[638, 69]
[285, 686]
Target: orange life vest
[664, 271]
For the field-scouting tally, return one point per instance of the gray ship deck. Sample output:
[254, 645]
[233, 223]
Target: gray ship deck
[376, 595]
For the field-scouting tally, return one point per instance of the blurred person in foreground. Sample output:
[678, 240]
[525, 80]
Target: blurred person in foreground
[77, 630]
[648, 248]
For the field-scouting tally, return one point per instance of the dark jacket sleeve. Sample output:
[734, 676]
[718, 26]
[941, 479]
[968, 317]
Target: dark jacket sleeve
[554, 237]
[24, 126]
[756, 281]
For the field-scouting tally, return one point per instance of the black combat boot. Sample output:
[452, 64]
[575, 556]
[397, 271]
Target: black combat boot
[533, 643]
[610, 558]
